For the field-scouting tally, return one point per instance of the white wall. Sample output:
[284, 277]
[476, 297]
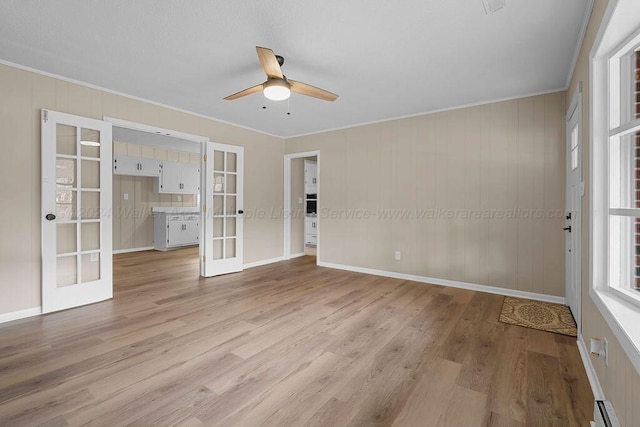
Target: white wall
[493, 161]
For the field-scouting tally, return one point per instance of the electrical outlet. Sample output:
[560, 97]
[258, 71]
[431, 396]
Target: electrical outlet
[179, 198]
[126, 196]
[600, 348]
[398, 255]
[300, 201]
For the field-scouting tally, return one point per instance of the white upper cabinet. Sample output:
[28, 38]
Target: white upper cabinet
[178, 178]
[171, 179]
[138, 166]
[310, 177]
[190, 178]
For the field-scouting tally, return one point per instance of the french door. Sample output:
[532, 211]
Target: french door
[223, 210]
[76, 211]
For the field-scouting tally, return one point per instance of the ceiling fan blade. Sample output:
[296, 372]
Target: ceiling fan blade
[249, 91]
[269, 62]
[316, 92]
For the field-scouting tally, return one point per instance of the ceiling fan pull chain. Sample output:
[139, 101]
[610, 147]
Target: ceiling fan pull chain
[264, 102]
[288, 106]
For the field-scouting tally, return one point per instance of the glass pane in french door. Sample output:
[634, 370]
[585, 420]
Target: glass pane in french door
[77, 205]
[224, 207]
[66, 140]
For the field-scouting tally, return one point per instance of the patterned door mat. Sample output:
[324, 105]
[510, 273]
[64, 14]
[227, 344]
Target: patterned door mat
[544, 316]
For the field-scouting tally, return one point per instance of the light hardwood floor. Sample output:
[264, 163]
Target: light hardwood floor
[288, 344]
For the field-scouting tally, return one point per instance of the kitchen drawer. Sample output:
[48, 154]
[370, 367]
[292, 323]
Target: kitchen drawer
[311, 239]
[191, 217]
[175, 217]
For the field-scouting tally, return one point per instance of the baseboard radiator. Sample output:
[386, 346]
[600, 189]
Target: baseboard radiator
[604, 415]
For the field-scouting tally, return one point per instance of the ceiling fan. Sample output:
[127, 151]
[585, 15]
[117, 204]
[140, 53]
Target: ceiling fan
[278, 87]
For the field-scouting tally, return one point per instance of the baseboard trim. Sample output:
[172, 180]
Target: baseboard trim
[449, 283]
[297, 255]
[21, 314]
[263, 262]
[596, 388]
[126, 251]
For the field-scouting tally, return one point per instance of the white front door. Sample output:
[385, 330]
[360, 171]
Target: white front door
[223, 210]
[574, 193]
[76, 211]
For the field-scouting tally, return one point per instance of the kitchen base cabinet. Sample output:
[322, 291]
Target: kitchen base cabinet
[174, 230]
[311, 230]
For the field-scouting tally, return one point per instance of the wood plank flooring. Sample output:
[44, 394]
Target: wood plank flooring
[288, 344]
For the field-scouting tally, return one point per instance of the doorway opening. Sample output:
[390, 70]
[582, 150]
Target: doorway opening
[302, 205]
[157, 185]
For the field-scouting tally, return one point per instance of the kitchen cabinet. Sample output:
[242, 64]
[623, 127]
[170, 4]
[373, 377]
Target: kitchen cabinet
[310, 177]
[173, 230]
[137, 166]
[178, 178]
[311, 230]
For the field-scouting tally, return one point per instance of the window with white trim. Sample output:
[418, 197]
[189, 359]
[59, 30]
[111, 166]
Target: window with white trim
[614, 184]
[624, 171]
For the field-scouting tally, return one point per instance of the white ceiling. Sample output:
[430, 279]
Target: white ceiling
[385, 59]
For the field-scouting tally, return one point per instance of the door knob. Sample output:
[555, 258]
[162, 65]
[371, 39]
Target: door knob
[240, 212]
[569, 215]
[50, 217]
[567, 229]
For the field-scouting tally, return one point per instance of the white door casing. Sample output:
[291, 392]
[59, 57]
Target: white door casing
[574, 193]
[76, 211]
[222, 233]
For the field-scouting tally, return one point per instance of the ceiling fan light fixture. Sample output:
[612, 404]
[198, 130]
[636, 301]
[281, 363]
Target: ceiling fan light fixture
[277, 90]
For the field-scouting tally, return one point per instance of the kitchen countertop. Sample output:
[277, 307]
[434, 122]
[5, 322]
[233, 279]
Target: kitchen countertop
[176, 210]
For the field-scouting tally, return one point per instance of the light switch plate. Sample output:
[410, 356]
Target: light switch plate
[126, 196]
